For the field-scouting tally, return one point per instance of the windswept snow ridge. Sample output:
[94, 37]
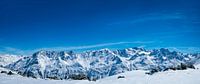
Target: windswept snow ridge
[93, 65]
[8, 59]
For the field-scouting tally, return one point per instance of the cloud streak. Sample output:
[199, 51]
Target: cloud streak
[150, 17]
[97, 45]
[28, 52]
[10, 50]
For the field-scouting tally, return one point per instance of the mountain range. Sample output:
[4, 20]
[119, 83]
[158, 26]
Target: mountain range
[97, 64]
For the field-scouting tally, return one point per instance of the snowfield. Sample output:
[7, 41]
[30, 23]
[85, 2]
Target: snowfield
[8, 59]
[189, 76]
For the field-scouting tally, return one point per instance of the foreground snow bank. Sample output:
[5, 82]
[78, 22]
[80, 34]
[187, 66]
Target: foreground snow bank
[190, 76]
[168, 77]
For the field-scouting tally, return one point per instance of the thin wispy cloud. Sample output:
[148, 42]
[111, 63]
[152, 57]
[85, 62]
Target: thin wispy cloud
[151, 17]
[97, 45]
[28, 52]
[11, 50]
[143, 44]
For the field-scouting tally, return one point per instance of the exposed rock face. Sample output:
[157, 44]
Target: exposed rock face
[93, 65]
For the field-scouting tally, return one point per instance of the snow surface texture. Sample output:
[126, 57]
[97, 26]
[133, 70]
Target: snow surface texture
[97, 64]
[8, 59]
[190, 76]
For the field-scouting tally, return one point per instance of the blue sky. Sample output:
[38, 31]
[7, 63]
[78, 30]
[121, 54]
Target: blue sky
[30, 25]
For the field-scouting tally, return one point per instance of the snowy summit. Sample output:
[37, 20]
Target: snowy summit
[94, 65]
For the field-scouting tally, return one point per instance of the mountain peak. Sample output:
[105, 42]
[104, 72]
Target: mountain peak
[97, 64]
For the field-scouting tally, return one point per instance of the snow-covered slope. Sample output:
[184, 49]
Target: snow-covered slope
[97, 64]
[190, 76]
[8, 59]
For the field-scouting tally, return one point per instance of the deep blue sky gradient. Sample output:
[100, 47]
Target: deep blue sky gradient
[35, 24]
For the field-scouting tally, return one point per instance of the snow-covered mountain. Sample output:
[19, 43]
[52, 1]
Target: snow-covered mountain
[189, 76]
[6, 59]
[97, 64]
